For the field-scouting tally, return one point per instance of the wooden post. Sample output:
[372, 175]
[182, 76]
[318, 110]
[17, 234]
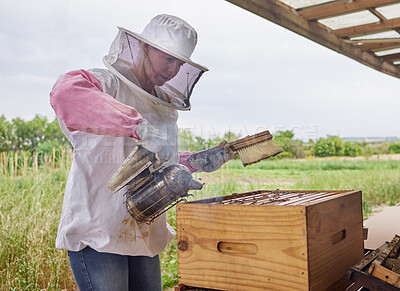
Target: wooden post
[16, 163]
[11, 163]
[69, 156]
[62, 158]
[35, 162]
[54, 157]
[25, 164]
[5, 163]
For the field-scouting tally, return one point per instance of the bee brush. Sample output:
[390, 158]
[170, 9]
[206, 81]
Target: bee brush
[254, 148]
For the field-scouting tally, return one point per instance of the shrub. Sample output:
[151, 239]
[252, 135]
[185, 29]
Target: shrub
[350, 149]
[394, 148]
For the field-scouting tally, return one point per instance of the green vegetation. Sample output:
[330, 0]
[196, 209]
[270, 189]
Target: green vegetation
[394, 148]
[30, 207]
[20, 135]
[31, 201]
[188, 142]
[34, 164]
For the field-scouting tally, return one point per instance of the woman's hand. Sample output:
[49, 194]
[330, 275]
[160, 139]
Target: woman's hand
[155, 139]
[211, 159]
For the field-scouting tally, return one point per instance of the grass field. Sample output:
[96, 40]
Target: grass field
[31, 201]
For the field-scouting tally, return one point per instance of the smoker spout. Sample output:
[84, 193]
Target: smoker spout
[195, 185]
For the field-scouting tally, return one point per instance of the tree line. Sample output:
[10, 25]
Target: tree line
[294, 148]
[41, 135]
[33, 139]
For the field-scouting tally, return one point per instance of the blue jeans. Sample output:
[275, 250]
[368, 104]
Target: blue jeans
[111, 272]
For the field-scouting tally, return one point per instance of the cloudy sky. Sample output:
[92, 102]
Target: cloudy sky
[261, 76]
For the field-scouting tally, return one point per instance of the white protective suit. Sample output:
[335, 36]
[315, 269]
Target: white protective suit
[92, 215]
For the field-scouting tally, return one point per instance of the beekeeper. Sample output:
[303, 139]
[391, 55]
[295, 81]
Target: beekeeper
[103, 112]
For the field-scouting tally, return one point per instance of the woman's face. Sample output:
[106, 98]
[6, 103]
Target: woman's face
[161, 67]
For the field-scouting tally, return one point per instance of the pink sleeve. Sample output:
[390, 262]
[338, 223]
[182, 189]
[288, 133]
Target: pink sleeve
[184, 158]
[78, 99]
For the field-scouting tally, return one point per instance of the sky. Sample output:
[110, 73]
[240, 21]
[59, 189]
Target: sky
[261, 76]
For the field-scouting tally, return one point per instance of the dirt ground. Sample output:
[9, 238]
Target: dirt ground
[382, 226]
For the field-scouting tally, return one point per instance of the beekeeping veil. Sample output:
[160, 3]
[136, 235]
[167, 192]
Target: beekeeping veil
[170, 35]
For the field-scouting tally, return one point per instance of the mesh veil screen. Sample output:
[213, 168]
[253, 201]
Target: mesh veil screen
[179, 88]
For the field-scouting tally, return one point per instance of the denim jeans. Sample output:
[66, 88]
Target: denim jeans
[111, 272]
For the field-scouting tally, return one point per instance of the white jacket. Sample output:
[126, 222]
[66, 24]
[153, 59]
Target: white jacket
[92, 215]
[98, 112]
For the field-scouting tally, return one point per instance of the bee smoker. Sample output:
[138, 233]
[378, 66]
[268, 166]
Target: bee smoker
[151, 189]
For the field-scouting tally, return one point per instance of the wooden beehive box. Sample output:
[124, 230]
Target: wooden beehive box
[270, 240]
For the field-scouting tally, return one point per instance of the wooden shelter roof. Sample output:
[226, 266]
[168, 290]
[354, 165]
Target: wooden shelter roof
[367, 31]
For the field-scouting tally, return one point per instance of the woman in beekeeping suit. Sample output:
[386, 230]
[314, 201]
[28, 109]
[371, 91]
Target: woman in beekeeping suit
[103, 112]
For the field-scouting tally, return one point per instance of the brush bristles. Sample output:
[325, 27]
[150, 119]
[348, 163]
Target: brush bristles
[257, 152]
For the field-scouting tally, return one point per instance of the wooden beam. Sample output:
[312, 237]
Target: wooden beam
[287, 17]
[392, 57]
[377, 14]
[368, 28]
[375, 44]
[340, 7]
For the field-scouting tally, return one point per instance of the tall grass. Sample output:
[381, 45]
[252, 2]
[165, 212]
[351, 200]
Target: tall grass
[30, 207]
[31, 195]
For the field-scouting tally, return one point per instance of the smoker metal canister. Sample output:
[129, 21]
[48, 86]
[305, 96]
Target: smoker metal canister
[166, 186]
